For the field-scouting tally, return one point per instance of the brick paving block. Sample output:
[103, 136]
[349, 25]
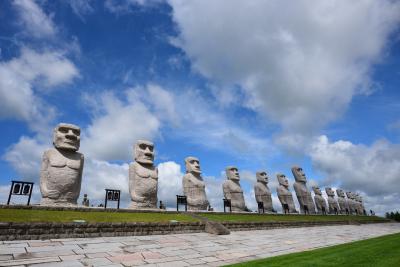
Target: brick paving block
[173, 264]
[97, 255]
[95, 262]
[151, 255]
[30, 261]
[210, 259]
[59, 264]
[163, 260]
[72, 257]
[44, 244]
[6, 250]
[52, 248]
[6, 257]
[194, 261]
[126, 257]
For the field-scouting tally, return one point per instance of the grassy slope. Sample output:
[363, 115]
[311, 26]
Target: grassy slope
[20, 215]
[380, 251]
[285, 218]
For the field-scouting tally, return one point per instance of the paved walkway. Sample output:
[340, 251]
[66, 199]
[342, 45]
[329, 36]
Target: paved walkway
[182, 249]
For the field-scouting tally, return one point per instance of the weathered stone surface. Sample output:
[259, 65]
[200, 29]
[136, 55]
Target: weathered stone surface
[61, 171]
[284, 195]
[302, 192]
[343, 203]
[143, 177]
[232, 189]
[359, 204]
[351, 202]
[320, 202]
[216, 228]
[194, 186]
[332, 203]
[262, 192]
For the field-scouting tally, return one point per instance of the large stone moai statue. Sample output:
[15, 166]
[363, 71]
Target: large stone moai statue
[61, 172]
[351, 202]
[320, 202]
[193, 185]
[262, 192]
[343, 203]
[302, 192]
[332, 203]
[143, 177]
[360, 207]
[232, 189]
[284, 194]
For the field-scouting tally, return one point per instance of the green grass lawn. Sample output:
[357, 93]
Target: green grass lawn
[285, 218]
[22, 215]
[380, 251]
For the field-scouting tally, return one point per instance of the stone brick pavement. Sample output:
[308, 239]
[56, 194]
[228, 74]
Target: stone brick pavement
[199, 249]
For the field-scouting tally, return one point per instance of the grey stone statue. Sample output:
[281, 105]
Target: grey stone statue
[319, 200]
[343, 203]
[284, 195]
[332, 203]
[302, 192]
[351, 202]
[360, 206]
[232, 189]
[61, 171]
[143, 177]
[193, 185]
[262, 192]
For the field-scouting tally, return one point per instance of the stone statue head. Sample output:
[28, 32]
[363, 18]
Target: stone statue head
[317, 190]
[144, 152]
[192, 165]
[262, 177]
[232, 173]
[282, 180]
[67, 137]
[329, 191]
[298, 174]
[349, 195]
[340, 193]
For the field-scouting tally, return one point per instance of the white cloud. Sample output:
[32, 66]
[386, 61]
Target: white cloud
[81, 7]
[301, 69]
[34, 20]
[371, 170]
[169, 182]
[122, 7]
[117, 125]
[20, 76]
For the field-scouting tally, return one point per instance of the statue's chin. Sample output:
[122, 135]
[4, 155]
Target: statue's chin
[67, 147]
[145, 161]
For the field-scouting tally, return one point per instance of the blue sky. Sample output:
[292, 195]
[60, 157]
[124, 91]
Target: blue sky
[260, 85]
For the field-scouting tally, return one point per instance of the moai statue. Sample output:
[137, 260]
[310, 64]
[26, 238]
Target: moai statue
[343, 203]
[85, 201]
[232, 189]
[61, 172]
[351, 202]
[262, 192]
[303, 194]
[143, 177]
[364, 212]
[332, 203]
[284, 195]
[360, 207]
[319, 200]
[193, 185]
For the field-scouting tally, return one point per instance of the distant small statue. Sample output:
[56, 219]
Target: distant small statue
[303, 194]
[143, 177]
[351, 203]
[332, 203]
[284, 195]
[343, 203]
[262, 192]
[61, 172]
[232, 189]
[85, 201]
[319, 200]
[194, 186]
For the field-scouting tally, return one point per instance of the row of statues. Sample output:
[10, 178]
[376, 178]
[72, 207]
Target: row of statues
[62, 166]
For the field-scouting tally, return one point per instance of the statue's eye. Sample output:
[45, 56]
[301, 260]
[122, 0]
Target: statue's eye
[76, 132]
[142, 146]
[63, 130]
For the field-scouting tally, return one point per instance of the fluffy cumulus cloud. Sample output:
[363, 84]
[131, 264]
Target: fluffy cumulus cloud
[116, 125]
[300, 69]
[21, 77]
[34, 20]
[373, 170]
